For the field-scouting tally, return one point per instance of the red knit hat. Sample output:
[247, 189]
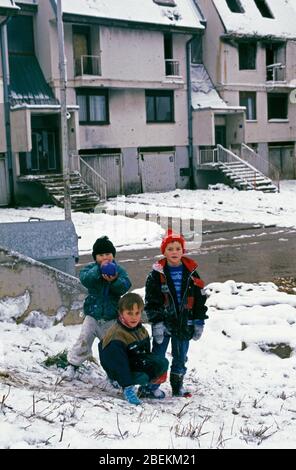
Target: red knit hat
[172, 237]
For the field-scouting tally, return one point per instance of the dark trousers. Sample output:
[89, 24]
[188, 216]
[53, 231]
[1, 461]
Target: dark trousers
[179, 352]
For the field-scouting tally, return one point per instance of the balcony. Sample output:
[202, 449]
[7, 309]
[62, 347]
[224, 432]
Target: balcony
[276, 72]
[172, 68]
[88, 65]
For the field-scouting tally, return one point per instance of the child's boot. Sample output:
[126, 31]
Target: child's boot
[176, 381]
[151, 391]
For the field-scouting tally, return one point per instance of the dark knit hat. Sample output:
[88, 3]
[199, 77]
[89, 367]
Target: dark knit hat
[103, 245]
[170, 237]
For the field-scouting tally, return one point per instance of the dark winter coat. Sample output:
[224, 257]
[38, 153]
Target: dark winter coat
[161, 302]
[125, 350]
[103, 296]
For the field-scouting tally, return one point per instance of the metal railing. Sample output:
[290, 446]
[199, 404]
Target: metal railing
[93, 179]
[276, 72]
[172, 68]
[88, 65]
[264, 166]
[207, 156]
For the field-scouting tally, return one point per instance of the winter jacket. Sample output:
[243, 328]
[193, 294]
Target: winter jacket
[125, 350]
[103, 296]
[161, 299]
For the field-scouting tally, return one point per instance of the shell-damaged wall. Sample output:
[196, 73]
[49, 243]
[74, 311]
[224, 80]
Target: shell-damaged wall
[47, 290]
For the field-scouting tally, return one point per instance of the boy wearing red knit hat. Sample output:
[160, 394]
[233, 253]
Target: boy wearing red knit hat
[175, 306]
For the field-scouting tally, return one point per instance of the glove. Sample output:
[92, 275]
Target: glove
[109, 268]
[158, 330]
[130, 395]
[198, 329]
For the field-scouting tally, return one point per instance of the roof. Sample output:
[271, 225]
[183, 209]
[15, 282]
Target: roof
[203, 93]
[28, 85]
[184, 15]
[8, 7]
[252, 23]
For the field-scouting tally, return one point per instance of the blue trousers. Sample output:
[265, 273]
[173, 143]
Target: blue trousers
[179, 352]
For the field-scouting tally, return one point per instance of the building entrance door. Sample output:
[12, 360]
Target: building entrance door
[43, 155]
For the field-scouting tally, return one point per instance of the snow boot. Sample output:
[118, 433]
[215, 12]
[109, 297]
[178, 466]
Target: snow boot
[176, 381]
[151, 391]
[70, 372]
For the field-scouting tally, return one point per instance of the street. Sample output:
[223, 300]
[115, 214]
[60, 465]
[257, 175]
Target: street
[242, 252]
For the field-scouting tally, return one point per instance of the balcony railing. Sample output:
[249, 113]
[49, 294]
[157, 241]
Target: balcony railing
[276, 72]
[88, 65]
[172, 68]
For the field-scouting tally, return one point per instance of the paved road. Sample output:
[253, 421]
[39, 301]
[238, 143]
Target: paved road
[243, 252]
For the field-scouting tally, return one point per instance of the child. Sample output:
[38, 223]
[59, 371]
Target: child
[106, 282]
[125, 352]
[175, 306]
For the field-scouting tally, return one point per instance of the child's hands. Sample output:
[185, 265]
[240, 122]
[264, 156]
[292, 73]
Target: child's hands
[109, 271]
[130, 395]
[198, 329]
[158, 330]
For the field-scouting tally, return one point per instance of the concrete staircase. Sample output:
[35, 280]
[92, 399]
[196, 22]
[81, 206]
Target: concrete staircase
[243, 176]
[241, 173]
[83, 198]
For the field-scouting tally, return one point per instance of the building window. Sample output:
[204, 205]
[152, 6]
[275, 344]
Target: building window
[235, 6]
[248, 99]
[21, 35]
[277, 106]
[264, 8]
[196, 50]
[159, 106]
[93, 106]
[247, 52]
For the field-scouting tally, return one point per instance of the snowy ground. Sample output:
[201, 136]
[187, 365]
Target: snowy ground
[221, 203]
[242, 398]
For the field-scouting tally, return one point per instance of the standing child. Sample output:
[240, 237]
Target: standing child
[125, 352]
[106, 282]
[175, 305]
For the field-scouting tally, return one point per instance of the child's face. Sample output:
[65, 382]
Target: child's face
[173, 253]
[104, 258]
[132, 317]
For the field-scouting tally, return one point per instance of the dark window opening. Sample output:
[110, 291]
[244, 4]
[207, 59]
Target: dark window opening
[159, 106]
[264, 8]
[196, 50]
[248, 99]
[165, 3]
[275, 61]
[93, 106]
[235, 6]
[82, 50]
[21, 35]
[277, 106]
[247, 52]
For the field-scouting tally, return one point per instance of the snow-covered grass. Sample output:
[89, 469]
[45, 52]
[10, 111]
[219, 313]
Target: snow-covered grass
[220, 203]
[241, 398]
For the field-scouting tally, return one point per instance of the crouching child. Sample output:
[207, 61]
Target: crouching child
[125, 353]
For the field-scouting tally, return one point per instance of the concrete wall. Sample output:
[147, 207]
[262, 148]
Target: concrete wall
[50, 291]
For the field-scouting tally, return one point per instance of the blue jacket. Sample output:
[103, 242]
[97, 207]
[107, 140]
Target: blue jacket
[103, 296]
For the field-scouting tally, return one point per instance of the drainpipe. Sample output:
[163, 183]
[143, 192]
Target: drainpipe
[189, 114]
[6, 92]
[64, 124]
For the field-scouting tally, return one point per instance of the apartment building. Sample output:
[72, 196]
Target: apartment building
[127, 92]
[249, 53]
[7, 9]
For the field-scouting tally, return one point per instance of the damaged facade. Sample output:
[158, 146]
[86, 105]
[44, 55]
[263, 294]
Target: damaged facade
[151, 93]
[249, 52]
